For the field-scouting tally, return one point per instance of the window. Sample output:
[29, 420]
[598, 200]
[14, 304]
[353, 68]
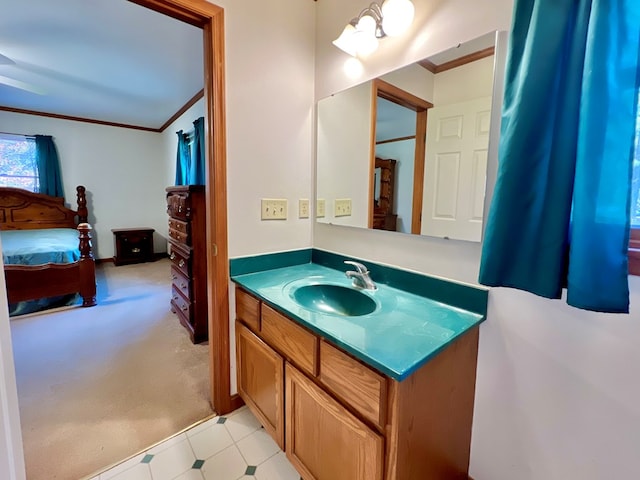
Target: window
[18, 162]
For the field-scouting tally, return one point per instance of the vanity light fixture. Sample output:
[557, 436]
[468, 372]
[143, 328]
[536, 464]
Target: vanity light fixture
[360, 37]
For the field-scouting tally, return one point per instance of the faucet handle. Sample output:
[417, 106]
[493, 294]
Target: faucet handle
[359, 267]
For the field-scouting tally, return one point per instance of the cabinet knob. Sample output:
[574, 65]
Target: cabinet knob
[173, 277]
[135, 250]
[184, 308]
[172, 256]
[183, 285]
[175, 297]
[181, 263]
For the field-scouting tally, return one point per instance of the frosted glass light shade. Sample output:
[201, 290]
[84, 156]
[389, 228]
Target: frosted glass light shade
[367, 24]
[397, 16]
[345, 41]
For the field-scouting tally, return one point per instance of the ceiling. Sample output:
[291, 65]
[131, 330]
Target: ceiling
[106, 60]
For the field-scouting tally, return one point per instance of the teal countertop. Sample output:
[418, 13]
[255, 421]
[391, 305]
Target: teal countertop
[402, 334]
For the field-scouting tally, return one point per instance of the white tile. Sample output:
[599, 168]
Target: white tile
[203, 426]
[226, 465]
[208, 442]
[121, 467]
[257, 447]
[138, 472]
[277, 467]
[192, 474]
[167, 443]
[173, 461]
[241, 424]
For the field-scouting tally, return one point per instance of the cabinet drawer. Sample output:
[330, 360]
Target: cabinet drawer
[178, 225]
[179, 236]
[179, 304]
[179, 206]
[248, 309]
[180, 282]
[355, 383]
[181, 260]
[291, 340]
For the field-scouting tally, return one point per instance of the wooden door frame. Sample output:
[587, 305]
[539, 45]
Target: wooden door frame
[390, 92]
[210, 18]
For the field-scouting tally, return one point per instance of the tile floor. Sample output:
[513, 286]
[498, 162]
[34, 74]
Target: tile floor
[228, 447]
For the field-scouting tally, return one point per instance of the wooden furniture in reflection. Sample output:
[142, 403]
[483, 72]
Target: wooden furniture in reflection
[187, 240]
[24, 210]
[383, 216]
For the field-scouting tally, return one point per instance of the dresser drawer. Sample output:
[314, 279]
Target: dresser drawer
[179, 205]
[181, 260]
[248, 309]
[180, 305]
[180, 282]
[358, 385]
[179, 237]
[179, 225]
[294, 342]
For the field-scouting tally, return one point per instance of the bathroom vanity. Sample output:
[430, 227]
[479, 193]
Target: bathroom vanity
[357, 396]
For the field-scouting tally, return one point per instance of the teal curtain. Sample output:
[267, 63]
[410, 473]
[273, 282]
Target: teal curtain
[183, 159]
[48, 165]
[197, 167]
[560, 212]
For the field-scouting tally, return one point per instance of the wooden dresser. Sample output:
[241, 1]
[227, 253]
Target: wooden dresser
[187, 240]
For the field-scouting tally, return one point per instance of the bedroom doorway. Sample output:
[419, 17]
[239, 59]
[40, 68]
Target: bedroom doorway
[210, 18]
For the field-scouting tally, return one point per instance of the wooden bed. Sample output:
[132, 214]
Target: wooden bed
[24, 210]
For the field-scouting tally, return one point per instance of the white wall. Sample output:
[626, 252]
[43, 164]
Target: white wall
[557, 392]
[344, 136]
[467, 82]
[270, 126]
[122, 169]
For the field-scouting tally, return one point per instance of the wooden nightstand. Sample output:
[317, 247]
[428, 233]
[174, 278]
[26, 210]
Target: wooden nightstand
[132, 245]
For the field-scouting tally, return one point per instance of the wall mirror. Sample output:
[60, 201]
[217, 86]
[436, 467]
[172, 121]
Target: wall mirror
[407, 151]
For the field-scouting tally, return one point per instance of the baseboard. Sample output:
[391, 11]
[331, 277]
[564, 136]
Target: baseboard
[104, 260]
[156, 256]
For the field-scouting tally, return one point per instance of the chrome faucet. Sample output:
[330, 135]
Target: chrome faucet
[361, 278]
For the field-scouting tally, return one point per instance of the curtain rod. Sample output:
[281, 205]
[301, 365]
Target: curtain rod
[18, 134]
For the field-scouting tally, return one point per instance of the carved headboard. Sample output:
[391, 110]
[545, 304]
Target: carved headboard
[24, 210]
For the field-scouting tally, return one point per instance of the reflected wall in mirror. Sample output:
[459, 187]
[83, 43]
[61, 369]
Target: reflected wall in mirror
[432, 118]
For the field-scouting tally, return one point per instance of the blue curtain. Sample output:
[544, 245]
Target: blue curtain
[197, 167]
[48, 165]
[183, 159]
[560, 212]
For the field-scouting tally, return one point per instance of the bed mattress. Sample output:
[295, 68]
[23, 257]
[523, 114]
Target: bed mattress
[37, 247]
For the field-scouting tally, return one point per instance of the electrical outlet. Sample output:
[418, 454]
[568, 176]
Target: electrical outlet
[320, 208]
[303, 208]
[342, 207]
[273, 209]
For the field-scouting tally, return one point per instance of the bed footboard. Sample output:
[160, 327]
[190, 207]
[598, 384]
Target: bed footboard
[53, 279]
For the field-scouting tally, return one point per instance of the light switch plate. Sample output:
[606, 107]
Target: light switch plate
[273, 209]
[342, 207]
[320, 208]
[303, 208]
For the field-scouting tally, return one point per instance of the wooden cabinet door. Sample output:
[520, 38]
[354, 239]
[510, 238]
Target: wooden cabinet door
[324, 441]
[260, 381]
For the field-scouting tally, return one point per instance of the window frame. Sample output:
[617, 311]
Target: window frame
[634, 251]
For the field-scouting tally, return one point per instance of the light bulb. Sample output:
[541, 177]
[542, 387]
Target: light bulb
[353, 68]
[365, 43]
[397, 16]
[345, 41]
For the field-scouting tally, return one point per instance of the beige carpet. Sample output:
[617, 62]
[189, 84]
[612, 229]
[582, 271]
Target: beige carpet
[97, 385]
